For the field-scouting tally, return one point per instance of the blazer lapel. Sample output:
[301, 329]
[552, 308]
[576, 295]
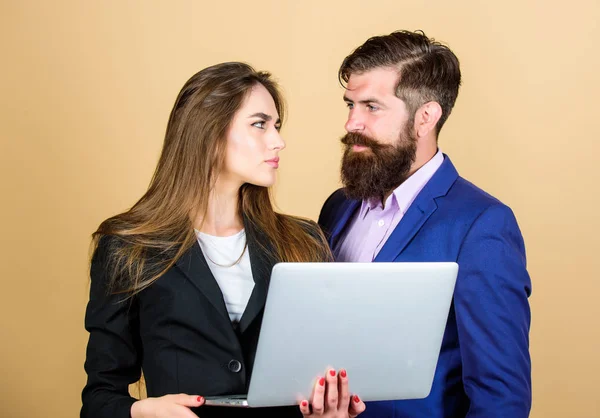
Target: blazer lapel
[347, 210]
[262, 264]
[194, 266]
[408, 227]
[418, 213]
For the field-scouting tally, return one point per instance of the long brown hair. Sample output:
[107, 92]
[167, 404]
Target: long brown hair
[158, 230]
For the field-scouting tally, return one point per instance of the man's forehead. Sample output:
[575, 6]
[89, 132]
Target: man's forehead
[380, 81]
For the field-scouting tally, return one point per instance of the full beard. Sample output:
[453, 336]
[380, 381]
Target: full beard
[374, 172]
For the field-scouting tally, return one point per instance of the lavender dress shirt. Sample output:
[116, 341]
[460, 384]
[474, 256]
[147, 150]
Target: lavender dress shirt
[374, 222]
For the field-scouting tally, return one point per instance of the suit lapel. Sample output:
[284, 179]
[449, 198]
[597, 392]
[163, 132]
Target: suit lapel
[346, 211]
[194, 266]
[262, 264]
[408, 227]
[418, 213]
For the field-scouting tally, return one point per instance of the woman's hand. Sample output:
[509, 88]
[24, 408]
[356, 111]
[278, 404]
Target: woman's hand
[168, 406]
[331, 398]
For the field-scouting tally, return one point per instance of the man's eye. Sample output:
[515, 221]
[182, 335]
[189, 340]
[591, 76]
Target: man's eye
[350, 105]
[372, 108]
[259, 125]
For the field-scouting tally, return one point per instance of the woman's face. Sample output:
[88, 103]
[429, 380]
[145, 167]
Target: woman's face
[253, 141]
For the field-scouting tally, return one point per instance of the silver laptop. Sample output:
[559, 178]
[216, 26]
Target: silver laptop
[382, 322]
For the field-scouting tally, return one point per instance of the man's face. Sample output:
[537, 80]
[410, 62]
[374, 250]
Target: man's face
[380, 143]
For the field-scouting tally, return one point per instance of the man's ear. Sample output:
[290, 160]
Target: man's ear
[426, 118]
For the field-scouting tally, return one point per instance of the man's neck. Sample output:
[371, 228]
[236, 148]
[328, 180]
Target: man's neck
[423, 156]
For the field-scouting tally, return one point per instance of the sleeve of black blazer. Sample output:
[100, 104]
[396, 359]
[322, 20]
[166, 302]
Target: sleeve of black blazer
[113, 358]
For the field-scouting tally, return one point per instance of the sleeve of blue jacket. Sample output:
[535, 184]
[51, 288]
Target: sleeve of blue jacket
[493, 316]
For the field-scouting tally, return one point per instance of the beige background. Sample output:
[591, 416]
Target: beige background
[86, 88]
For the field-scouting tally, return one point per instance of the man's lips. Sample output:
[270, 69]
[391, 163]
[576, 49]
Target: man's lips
[359, 148]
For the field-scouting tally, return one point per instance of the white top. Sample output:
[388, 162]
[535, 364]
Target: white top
[236, 282]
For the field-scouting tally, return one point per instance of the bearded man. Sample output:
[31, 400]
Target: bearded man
[404, 201]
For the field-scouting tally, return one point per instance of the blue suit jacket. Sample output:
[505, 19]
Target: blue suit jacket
[484, 368]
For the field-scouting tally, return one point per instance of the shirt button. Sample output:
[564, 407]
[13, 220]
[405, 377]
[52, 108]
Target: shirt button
[234, 366]
[381, 222]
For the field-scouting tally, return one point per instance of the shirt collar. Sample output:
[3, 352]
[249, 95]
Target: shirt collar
[403, 196]
[374, 203]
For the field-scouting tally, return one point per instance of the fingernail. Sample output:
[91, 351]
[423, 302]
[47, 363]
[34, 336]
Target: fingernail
[356, 399]
[332, 372]
[322, 381]
[343, 373]
[200, 399]
[304, 403]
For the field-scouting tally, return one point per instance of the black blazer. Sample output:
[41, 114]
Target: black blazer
[178, 331]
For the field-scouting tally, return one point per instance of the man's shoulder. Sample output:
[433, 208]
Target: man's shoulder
[471, 196]
[335, 199]
[331, 207]
[468, 203]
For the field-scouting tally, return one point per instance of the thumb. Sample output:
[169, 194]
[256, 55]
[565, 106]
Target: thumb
[191, 401]
[357, 406]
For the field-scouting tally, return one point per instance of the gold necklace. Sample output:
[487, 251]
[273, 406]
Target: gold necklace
[216, 249]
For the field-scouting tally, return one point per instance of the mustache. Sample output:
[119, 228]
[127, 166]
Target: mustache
[355, 138]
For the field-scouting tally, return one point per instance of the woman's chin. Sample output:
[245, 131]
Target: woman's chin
[264, 182]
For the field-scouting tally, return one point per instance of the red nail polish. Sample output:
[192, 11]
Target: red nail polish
[332, 372]
[199, 399]
[322, 381]
[356, 399]
[304, 403]
[343, 373]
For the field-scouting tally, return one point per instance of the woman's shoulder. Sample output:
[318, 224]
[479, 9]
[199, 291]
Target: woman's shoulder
[105, 246]
[308, 225]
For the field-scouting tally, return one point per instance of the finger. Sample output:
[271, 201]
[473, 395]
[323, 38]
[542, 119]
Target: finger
[318, 397]
[356, 407]
[192, 401]
[331, 391]
[343, 391]
[183, 412]
[304, 408]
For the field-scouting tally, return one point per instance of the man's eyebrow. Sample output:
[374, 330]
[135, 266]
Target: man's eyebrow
[364, 101]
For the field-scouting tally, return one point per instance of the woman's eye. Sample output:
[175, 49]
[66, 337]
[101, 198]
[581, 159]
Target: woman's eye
[259, 125]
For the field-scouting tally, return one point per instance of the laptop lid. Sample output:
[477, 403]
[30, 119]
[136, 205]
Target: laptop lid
[382, 322]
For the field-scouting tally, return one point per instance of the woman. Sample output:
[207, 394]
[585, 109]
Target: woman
[179, 281]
